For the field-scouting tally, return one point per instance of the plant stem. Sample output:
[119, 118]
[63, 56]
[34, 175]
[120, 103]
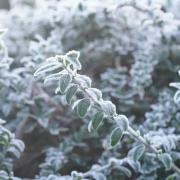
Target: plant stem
[131, 131]
[141, 139]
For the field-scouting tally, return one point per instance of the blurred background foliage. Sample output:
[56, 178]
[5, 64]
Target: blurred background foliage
[130, 49]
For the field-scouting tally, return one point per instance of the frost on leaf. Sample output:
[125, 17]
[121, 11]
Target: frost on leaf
[122, 122]
[71, 92]
[138, 151]
[64, 82]
[82, 107]
[116, 136]
[97, 119]
[108, 107]
[166, 160]
[83, 80]
[73, 58]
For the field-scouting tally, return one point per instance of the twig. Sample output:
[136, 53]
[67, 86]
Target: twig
[131, 131]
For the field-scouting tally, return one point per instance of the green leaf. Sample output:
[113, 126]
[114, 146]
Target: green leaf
[108, 107]
[95, 93]
[116, 136]
[83, 107]
[3, 141]
[64, 82]
[55, 76]
[85, 81]
[124, 170]
[50, 66]
[166, 160]
[122, 122]
[73, 58]
[172, 177]
[138, 151]
[97, 119]
[71, 92]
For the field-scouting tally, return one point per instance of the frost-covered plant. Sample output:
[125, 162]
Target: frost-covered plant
[131, 51]
[9, 147]
[177, 95]
[63, 69]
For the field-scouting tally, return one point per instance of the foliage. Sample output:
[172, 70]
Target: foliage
[9, 146]
[118, 89]
[63, 70]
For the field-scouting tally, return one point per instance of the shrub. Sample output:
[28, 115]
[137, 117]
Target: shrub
[130, 55]
[63, 70]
